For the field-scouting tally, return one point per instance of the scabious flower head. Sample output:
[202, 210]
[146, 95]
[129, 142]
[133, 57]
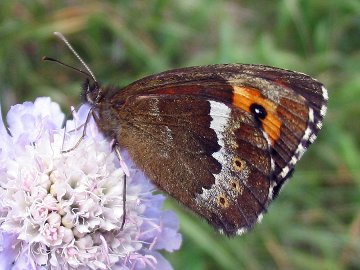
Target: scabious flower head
[64, 210]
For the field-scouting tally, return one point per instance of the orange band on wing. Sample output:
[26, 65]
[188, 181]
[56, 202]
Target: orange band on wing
[244, 97]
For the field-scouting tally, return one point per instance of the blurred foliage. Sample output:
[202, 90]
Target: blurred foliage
[315, 222]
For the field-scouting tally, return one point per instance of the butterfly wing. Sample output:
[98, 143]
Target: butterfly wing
[182, 146]
[220, 139]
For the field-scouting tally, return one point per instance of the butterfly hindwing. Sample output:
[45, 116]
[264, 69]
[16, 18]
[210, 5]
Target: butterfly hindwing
[190, 148]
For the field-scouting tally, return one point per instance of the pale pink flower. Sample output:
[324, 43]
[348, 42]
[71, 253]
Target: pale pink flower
[64, 210]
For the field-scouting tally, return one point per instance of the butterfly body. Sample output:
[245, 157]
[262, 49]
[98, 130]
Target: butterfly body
[220, 139]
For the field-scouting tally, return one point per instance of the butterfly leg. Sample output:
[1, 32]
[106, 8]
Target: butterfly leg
[116, 147]
[83, 134]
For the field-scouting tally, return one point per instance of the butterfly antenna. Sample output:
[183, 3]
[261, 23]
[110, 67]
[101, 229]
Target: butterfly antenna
[67, 43]
[46, 58]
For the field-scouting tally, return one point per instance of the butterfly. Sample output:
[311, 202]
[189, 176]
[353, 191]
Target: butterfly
[220, 139]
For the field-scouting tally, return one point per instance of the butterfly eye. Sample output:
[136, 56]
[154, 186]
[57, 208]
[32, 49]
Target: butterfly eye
[222, 201]
[258, 111]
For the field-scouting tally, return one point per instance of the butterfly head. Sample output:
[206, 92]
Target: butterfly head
[92, 92]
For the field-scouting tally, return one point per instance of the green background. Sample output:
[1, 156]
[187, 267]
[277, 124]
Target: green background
[315, 222]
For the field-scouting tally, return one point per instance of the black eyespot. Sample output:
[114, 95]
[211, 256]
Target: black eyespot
[222, 200]
[238, 164]
[258, 111]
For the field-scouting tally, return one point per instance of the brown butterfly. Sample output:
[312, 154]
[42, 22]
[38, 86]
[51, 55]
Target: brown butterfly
[220, 139]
